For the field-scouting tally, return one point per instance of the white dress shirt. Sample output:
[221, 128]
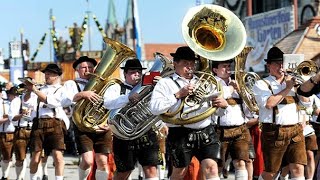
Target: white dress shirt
[288, 114]
[72, 89]
[4, 109]
[55, 101]
[235, 115]
[113, 99]
[163, 100]
[316, 105]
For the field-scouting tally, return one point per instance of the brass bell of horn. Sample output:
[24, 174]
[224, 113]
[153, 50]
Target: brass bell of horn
[213, 32]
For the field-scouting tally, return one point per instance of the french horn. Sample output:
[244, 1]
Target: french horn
[214, 32]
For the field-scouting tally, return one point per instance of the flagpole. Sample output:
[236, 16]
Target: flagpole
[89, 33]
[133, 26]
[51, 28]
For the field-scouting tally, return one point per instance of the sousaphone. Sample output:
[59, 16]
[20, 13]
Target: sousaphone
[213, 32]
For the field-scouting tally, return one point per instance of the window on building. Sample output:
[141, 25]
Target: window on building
[260, 6]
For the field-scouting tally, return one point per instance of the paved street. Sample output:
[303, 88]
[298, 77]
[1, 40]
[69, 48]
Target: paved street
[71, 170]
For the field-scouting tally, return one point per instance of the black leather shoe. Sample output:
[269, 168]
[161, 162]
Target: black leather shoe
[44, 177]
[225, 173]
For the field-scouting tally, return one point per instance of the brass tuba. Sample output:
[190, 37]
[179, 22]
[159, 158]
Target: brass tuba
[214, 32]
[135, 119]
[246, 80]
[88, 115]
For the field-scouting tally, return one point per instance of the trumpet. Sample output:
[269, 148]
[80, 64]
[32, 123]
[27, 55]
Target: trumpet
[25, 81]
[304, 71]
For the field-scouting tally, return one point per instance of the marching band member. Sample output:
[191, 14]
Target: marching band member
[7, 132]
[49, 121]
[196, 139]
[20, 115]
[315, 122]
[282, 133]
[310, 140]
[92, 146]
[144, 149]
[234, 135]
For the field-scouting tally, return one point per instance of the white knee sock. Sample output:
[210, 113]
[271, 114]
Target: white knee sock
[21, 170]
[33, 177]
[298, 178]
[45, 168]
[18, 171]
[59, 177]
[101, 174]
[5, 168]
[154, 178]
[241, 174]
[83, 174]
[284, 177]
[215, 178]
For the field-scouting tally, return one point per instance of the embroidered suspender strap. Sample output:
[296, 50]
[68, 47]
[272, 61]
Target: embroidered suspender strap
[181, 111]
[20, 110]
[124, 88]
[4, 110]
[78, 87]
[38, 106]
[54, 109]
[175, 82]
[275, 108]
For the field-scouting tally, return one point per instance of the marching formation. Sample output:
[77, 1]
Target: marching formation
[193, 109]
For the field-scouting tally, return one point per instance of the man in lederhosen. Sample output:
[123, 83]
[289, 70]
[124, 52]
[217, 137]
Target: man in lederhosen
[197, 139]
[7, 133]
[19, 114]
[283, 142]
[91, 146]
[234, 135]
[49, 123]
[144, 149]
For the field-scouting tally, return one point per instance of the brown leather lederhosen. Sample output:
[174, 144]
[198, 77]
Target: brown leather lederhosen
[43, 128]
[21, 139]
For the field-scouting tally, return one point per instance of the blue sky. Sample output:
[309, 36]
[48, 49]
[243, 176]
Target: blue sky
[160, 20]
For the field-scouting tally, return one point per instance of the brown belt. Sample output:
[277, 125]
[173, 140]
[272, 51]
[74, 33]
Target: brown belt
[278, 125]
[230, 127]
[289, 100]
[234, 101]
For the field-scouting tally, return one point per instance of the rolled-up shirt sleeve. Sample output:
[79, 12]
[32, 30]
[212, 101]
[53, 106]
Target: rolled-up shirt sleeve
[261, 93]
[162, 98]
[113, 99]
[14, 108]
[71, 90]
[55, 99]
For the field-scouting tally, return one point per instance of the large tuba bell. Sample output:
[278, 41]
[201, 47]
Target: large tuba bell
[135, 119]
[213, 32]
[88, 115]
[246, 80]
